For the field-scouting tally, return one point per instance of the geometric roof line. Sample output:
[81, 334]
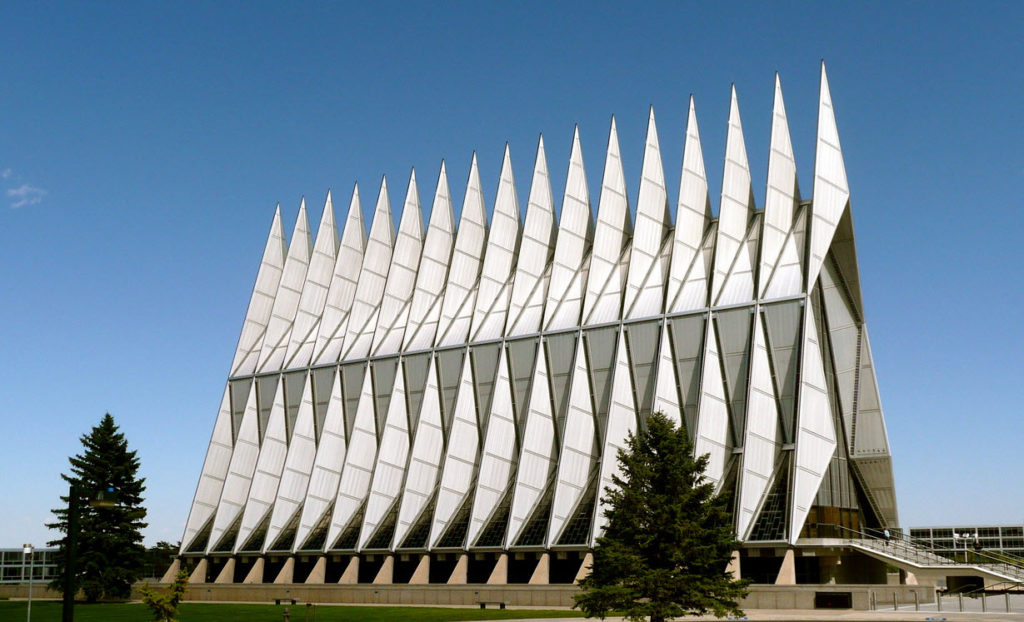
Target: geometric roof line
[373, 274]
[736, 210]
[529, 289]
[286, 303]
[331, 332]
[575, 235]
[314, 291]
[645, 281]
[782, 197]
[693, 216]
[261, 303]
[831, 190]
[425, 312]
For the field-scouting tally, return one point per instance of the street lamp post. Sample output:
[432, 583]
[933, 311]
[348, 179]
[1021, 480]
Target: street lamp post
[28, 550]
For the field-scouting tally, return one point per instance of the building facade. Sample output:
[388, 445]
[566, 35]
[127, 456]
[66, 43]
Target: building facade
[454, 396]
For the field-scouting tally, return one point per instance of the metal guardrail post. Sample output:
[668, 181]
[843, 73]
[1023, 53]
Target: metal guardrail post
[938, 600]
[874, 601]
[960, 597]
[917, 601]
[895, 605]
[984, 608]
[1007, 595]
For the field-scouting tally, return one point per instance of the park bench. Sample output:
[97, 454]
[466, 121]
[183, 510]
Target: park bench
[483, 603]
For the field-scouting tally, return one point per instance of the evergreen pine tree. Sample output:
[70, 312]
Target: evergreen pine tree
[109, 554]
[668, 537]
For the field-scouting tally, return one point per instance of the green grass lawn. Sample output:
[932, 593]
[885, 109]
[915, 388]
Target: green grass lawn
[49, 611]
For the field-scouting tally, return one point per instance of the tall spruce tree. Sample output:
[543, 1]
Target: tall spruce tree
[668, 537]
[109, 553]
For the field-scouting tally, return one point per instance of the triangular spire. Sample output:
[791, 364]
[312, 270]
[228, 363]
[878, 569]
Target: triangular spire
[239, 474]
[688, 281]
[499, 258]
[372, 278]
[734, 217]
[459, 291]
[267, 474]
[405, 261]
[606, 279]
[286, 303]
[437, 252]
[297, 467]
[331, 333]
[529, 291]
[782, 197]
[831, 190]
[645, 283]
[575, 234]
[261, 303]
[314, 291]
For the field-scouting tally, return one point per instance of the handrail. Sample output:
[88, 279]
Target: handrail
[925, 556]
[1003, 587]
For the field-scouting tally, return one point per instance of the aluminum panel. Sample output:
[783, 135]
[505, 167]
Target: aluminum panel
[569, 266]
[666, 389]
[579, 452]
[267, 477]
[687, 334]
[605, 282]
[712, 436]
[529, 290]
[297, 467]
[739, 284]
[405, 261]
[460, 288]
[460, 460]
[831, 190]
[499, 453]
[622, 421]
[761, 445]
[788, 274]
[735, 214]
[844, 336]
[330, 335]
[211, 478]
[268, 278]
[239, 475]
[816, 435]
[286, 302]
[645, 280]
[495, 287]
[437, 253]
[692, 242]
[358, 468]
[538, 456]
[314, 291]
[425, 459]
[782, 198]
[326, 473]
[389, 471]
[372, 277]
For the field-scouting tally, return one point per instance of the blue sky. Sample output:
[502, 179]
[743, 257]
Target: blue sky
[144, 146]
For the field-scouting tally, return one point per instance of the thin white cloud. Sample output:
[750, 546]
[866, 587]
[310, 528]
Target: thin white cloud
[6, 173]
[25, 195]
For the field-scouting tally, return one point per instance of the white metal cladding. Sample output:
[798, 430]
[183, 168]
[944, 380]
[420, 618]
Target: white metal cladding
[645, 281]
[359, 457]
[372, 277]
[394, 308]
[286, 303]
[267, 475]
[314, 292]
[211, 478]
[603, 302]
[470, 389]
[575, 235]
[498, 459]
[460, 289]
[334, 321]
[297, 468]
[530, 287]
[389, 471]
[733, 280]
[327, 465]
[262, 301]
[433, 270]
[782, 198]
[495, 286]
[692, 241]
[236, 484]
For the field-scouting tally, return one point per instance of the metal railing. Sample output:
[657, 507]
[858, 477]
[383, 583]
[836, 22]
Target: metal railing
[908, 549]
